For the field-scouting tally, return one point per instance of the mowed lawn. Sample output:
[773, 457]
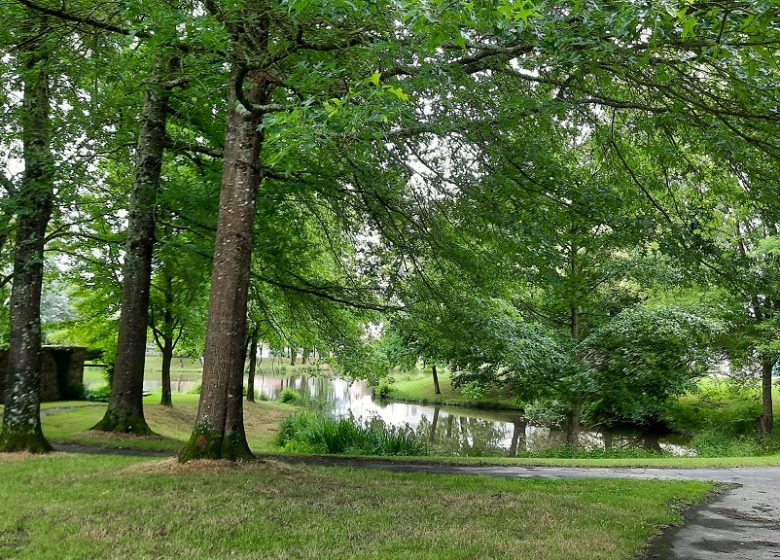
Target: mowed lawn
[69, 506]
[70, 421]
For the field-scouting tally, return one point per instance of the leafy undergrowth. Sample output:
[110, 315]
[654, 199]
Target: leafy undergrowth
[92, 506]
[722, 418]
[315, 432]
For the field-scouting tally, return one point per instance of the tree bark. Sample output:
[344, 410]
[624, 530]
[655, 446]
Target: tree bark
[167, 357]
[125, 409]
[250, 382]
[168, 342]
[219, 427]
[293, 354]
[767, 420]
[436, 387]
[21, 417]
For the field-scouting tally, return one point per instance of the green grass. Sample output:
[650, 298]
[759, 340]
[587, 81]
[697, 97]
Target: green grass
[418, 387]
[89, 506]
[628, 462]
[69, 422]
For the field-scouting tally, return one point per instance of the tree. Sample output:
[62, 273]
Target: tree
[21, 417]
[269, 52]
[125, 409]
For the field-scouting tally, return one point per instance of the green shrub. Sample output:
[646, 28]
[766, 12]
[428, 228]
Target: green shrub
[545, 412]
[290, 396]
[195, 390]
[718, 443]
[101, 393]
[474, 391]
[384, 389]
[314, 432]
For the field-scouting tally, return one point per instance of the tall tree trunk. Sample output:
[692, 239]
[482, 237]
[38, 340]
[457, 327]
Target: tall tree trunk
[574, 420]
[22, 416]
[168, 341]
[219, 427]
[125, 411]
[293, 354]
[250, 382]
[167, 358]
[436, 387]
[767, 420]
[305, 356]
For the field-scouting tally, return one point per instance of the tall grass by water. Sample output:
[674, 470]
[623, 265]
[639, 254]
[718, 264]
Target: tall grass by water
[315, 432]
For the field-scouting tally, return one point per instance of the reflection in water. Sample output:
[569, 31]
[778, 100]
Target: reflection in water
[450, 430]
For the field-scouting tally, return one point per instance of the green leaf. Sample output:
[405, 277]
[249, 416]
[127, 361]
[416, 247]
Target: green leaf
[398, 92]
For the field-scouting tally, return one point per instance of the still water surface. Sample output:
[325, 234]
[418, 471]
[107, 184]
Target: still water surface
[450, 429]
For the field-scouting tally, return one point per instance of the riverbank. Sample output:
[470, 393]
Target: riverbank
[419, 388]
[97, 506]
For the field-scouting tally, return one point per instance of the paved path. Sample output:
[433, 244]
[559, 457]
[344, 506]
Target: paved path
[742, 524]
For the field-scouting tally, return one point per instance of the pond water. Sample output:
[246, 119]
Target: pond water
[450, 429]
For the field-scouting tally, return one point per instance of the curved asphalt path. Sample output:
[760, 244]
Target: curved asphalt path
[743, 523]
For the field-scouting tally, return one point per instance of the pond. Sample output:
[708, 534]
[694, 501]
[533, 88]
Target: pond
[450, 429]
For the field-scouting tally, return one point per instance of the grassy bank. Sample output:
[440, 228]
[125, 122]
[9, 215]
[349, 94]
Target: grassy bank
[418, 387]
[88, 506]
[69, 422]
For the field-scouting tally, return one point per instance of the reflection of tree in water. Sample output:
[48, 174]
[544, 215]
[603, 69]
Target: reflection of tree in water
[310, 386]
[463, 435]
[519, 441]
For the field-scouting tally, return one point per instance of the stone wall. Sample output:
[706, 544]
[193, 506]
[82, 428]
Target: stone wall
[62, 372]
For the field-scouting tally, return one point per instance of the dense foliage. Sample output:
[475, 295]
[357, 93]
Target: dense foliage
[570, 202]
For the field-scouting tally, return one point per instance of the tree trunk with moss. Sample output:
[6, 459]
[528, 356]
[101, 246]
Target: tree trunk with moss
[21, 429]
[219, 426]
[125, 412]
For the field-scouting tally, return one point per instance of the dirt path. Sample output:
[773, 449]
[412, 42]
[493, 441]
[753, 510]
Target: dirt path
[741, 524]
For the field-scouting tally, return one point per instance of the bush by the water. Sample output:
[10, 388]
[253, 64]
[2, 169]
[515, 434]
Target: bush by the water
[384, 389]
[290, 396]
[315, 432]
